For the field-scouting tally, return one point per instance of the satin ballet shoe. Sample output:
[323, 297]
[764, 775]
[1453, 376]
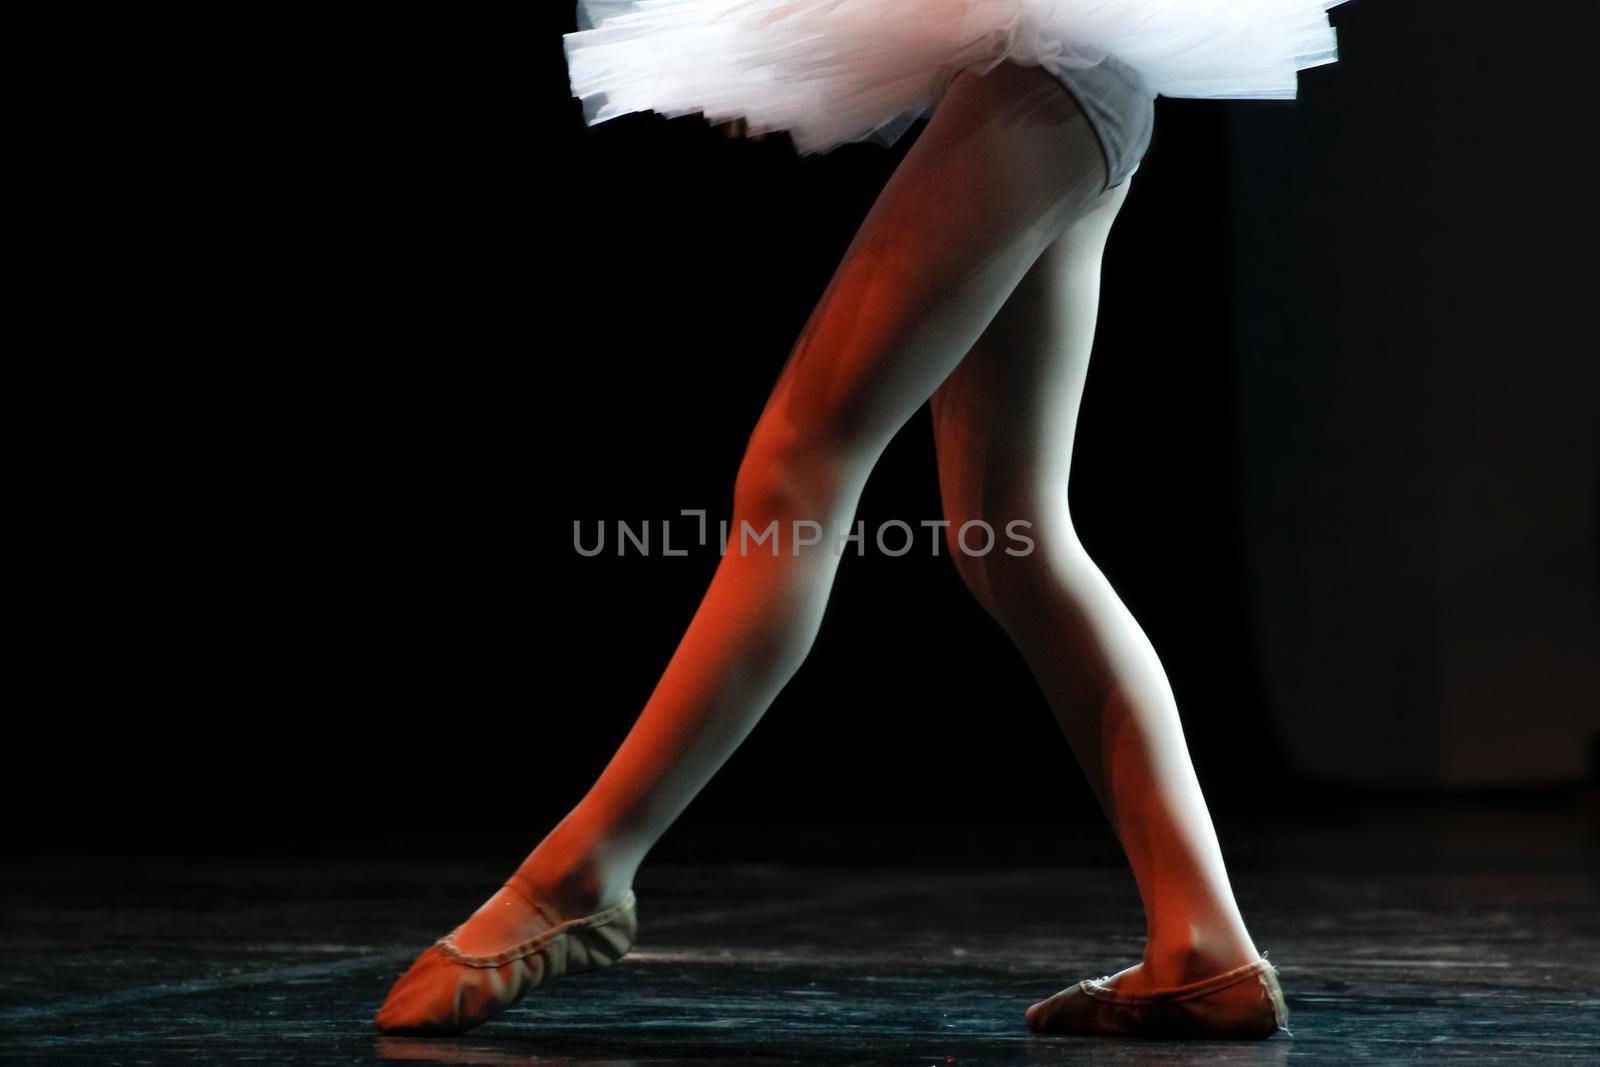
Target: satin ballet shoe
[1246, 1002]
[448, 991]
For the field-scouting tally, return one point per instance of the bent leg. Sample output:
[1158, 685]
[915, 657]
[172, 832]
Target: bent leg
[1004, 422]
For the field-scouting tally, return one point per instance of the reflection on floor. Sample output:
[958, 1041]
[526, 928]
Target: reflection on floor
[1466, 935]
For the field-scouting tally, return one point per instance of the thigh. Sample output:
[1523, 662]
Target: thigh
[1004, 419]
[1007, 163]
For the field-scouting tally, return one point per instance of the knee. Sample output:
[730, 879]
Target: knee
[966, 539]
[1009, 555]
[792, 472]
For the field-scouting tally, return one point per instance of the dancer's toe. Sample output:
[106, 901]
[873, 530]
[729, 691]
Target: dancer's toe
[1056, 1014]
[426, 1000]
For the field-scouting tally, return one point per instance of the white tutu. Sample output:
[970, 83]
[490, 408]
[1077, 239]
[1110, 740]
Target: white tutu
[831, 71]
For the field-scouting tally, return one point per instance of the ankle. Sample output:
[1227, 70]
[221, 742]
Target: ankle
[574, 884]
[1197, 954]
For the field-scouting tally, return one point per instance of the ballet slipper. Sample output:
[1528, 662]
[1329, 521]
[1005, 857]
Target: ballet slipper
[1246, 1002]
[448, 991]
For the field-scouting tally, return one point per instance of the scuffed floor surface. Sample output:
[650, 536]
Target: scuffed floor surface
[1462, 937]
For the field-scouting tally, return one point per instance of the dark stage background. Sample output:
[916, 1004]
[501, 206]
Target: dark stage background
[313, 574]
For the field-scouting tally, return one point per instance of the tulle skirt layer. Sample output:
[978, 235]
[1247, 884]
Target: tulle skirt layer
[832, 71]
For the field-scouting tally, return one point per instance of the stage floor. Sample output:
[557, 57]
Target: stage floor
[1467, 935]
